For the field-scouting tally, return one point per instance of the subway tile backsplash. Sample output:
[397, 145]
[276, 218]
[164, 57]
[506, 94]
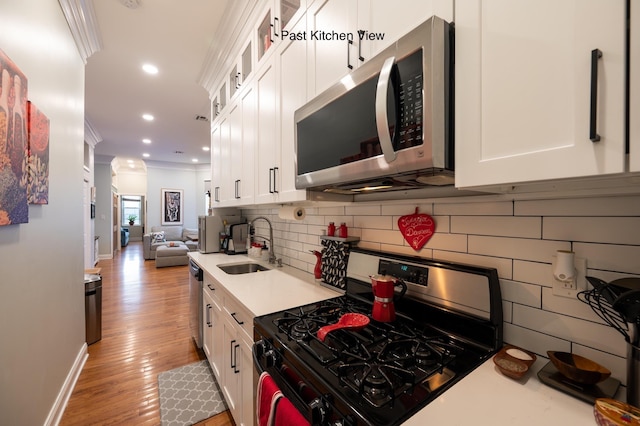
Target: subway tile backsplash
[518, 238]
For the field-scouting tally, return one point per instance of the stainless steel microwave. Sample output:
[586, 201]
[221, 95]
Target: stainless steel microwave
[388, 125]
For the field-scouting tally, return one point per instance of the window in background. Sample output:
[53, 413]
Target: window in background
[131, 206]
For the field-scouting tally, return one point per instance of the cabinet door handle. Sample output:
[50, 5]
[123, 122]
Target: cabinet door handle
[349, 43]
[596, 54]
[208, 314]
[238, 81]
[271, 173]
[233, 365]
[237, 188]
[275, 20]
[360, 57]
[235, 356]
[233, 315]
[275, 180]
[216, 194]
[211, 287]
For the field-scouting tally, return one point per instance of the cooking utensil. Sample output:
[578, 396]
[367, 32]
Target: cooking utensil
[350, 321]
[383, 287]
[616, 305]
[578, 368]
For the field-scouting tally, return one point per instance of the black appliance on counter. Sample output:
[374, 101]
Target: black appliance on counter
[448, 323]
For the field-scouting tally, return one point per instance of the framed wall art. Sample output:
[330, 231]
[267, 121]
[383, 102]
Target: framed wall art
[171, 206]
[14, 159]
[38, 156]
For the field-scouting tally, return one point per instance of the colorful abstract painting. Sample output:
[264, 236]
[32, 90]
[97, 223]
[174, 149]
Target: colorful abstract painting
[13, 143]
[36, 167]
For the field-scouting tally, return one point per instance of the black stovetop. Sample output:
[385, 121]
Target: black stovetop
[381, 374]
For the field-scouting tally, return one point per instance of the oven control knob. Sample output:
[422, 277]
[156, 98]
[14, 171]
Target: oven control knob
[320, 411]
[271, 357]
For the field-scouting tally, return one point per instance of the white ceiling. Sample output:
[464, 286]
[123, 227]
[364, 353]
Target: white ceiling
[174, 35]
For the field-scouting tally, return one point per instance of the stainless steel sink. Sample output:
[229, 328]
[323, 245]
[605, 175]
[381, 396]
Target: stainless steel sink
[242, 268]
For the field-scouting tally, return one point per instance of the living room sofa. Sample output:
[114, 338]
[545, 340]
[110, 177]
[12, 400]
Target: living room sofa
[164, 235]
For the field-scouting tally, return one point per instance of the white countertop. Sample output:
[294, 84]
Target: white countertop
[484, 397]
[267, 291]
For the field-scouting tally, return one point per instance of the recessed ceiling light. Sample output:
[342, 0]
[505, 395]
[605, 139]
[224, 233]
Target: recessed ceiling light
[205, 148]
[145, 155]
[150, 69]
[146, 140]
[147, 117]
[195, 160]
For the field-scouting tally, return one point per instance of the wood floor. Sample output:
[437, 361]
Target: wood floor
[145, 331]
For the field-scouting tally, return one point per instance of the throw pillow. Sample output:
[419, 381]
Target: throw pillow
[157, 237]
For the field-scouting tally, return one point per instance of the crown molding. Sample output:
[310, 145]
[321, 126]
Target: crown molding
[91, 135]
[83, 24]
[220, 54]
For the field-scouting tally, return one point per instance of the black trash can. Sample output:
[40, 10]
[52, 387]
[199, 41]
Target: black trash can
[93, 307]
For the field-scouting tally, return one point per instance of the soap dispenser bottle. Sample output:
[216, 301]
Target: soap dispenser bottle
[317, 271]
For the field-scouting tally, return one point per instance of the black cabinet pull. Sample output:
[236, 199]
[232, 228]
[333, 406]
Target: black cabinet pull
[596, 54]
[349, 43]
[235, 356]
[233, 361]
[275, 181]
[238, 84]
[233, 315]
[271, 185]
[275, 19]
[208, 314]
[211, 287]
[360, 57]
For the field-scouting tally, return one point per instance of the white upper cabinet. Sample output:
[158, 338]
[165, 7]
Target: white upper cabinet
[292, 94]
[331, 56]
[386, 21]
[526, 73]
[371, 26]
[634, 96]
[277, 17]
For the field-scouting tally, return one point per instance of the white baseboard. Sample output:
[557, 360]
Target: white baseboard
[55, 414]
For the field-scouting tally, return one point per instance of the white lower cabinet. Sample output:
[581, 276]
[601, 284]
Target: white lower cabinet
[238, 372]
[228, 342]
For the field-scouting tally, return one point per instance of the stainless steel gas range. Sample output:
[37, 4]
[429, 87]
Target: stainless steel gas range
[448, 322]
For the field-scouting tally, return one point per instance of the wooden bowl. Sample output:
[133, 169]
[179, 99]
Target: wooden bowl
[513, 362]
[577, 368]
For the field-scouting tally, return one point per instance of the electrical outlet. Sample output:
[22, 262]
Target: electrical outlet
[572, 288]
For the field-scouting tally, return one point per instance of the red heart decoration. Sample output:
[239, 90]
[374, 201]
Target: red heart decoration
[416, 228]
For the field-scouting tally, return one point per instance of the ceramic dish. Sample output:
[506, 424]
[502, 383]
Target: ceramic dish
[514, 362]
[609, 412]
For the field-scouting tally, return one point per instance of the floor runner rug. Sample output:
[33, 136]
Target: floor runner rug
[189, 394]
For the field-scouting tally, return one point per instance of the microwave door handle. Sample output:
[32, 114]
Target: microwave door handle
[381, 110]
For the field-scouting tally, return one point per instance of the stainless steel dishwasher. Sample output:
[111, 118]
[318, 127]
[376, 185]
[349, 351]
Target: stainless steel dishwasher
[195, 302]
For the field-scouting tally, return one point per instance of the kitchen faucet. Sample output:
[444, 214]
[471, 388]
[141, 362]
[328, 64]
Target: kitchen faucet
[272, 256]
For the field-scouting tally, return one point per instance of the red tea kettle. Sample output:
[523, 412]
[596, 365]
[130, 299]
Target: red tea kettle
[384, 295]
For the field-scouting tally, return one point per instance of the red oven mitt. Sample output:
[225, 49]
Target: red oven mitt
[267, 396]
